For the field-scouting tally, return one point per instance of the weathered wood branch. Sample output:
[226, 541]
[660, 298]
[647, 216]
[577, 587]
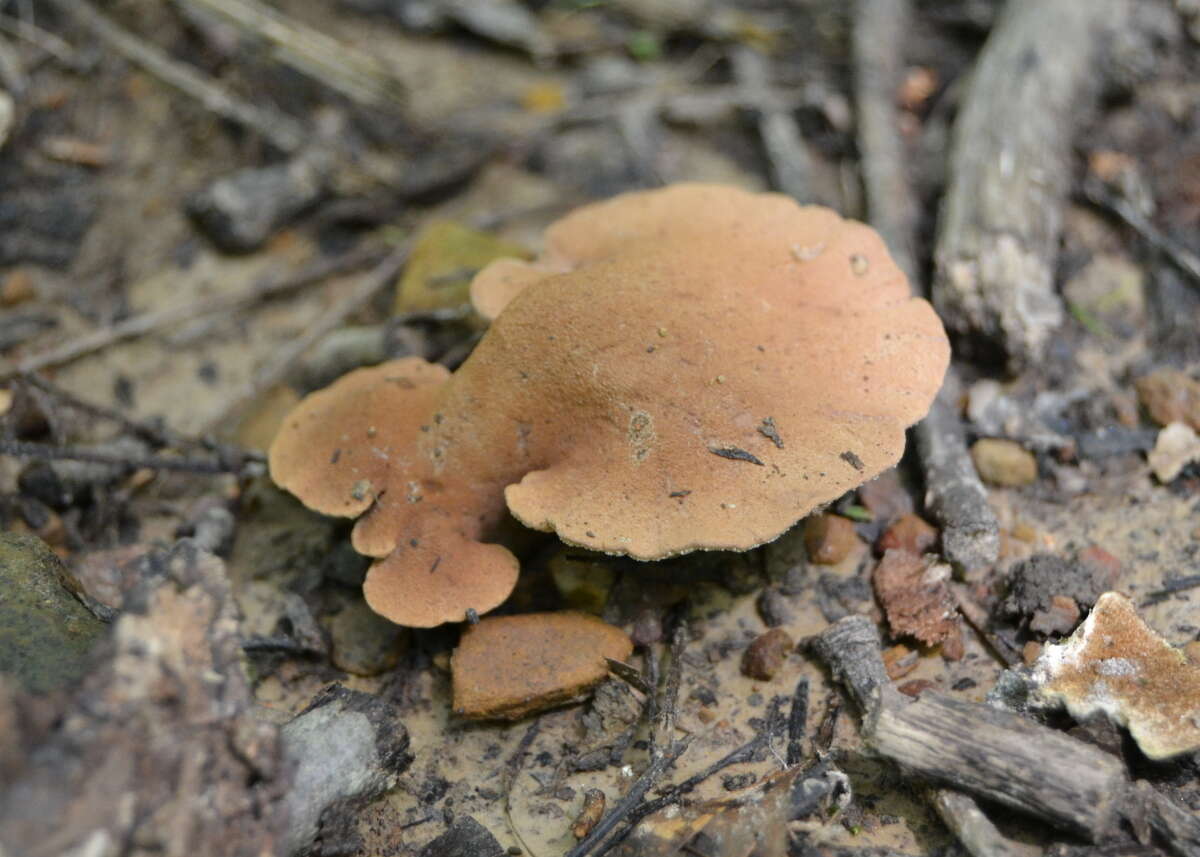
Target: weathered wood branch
[954, 496]
[1010, 167]
[986, 752]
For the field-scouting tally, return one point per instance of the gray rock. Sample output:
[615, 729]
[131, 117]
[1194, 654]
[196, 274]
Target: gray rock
[45, 632]
[239, 212]
[347, 748]
[364, 643]
[466, 837]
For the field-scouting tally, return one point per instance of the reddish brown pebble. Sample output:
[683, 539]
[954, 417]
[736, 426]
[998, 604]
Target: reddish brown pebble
[909, 533]
[16, 288]
[511, 666]
[589, 816]
[1104, 567]
[1170, 396]
[1059, 618]
[829, 538]
[765, 655]
[900, 660]
[916, 687]
[953, 647]
[1030, 652]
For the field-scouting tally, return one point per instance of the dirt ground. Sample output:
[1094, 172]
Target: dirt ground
[502, 120]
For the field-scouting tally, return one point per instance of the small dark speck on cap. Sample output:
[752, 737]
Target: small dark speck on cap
[852, 459]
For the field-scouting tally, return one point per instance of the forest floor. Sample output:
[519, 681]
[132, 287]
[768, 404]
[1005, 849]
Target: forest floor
[172, 280]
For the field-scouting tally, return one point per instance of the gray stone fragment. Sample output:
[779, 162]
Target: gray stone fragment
[239, 212]
[466, 837]
[347, 748]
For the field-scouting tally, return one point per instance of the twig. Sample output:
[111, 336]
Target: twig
[975, 830]
[281, 130]
[273, 371]
[49, 452]
[663, 726]
[357, 75]
[674, 793]
[148, 322]
[511, 769]
[791, 166]
[797, 723]
[632, 799]
[157, 434]
[48, 42]
[1188, 262]
[1169, 588]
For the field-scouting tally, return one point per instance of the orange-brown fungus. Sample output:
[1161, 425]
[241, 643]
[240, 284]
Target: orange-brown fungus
[511, 666]
[1117, 665]
[695, 367]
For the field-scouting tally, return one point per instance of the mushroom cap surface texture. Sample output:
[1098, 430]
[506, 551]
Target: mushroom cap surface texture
[696, 367]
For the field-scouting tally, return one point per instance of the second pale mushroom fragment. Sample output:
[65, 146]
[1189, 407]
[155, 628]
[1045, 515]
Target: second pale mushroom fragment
[696, 367]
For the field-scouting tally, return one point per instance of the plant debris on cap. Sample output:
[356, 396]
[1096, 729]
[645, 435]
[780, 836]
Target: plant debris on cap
[1115, 664]
[620, 395]
[510, 666]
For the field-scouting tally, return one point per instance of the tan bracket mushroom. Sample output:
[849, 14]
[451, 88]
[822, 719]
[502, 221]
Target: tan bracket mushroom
[690, 368]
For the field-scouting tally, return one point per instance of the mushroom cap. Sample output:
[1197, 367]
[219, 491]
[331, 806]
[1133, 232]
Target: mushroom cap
[732, 361]
[346, 450]
[695, 367]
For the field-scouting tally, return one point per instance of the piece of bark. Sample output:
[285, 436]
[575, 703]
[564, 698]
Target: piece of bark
[1010, 167]
[954, 495]
[158, 751]
[851, 647]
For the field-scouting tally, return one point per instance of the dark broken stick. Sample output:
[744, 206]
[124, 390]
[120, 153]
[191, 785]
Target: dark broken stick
[1099, 196]
[791, 166]
[954, 495]
[280, 130]
[148, 322]
[49, 452]
[986, 752]
[631, 801]
[1010, 166]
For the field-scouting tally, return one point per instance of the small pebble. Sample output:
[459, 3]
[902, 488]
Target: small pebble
[1060, 618]
[774, 609]
[909, 533]
[916, 687]
[1003, 462]
[737, 782]
[829, 538]
[900, 660]
[1170, 396]
[766, 654]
